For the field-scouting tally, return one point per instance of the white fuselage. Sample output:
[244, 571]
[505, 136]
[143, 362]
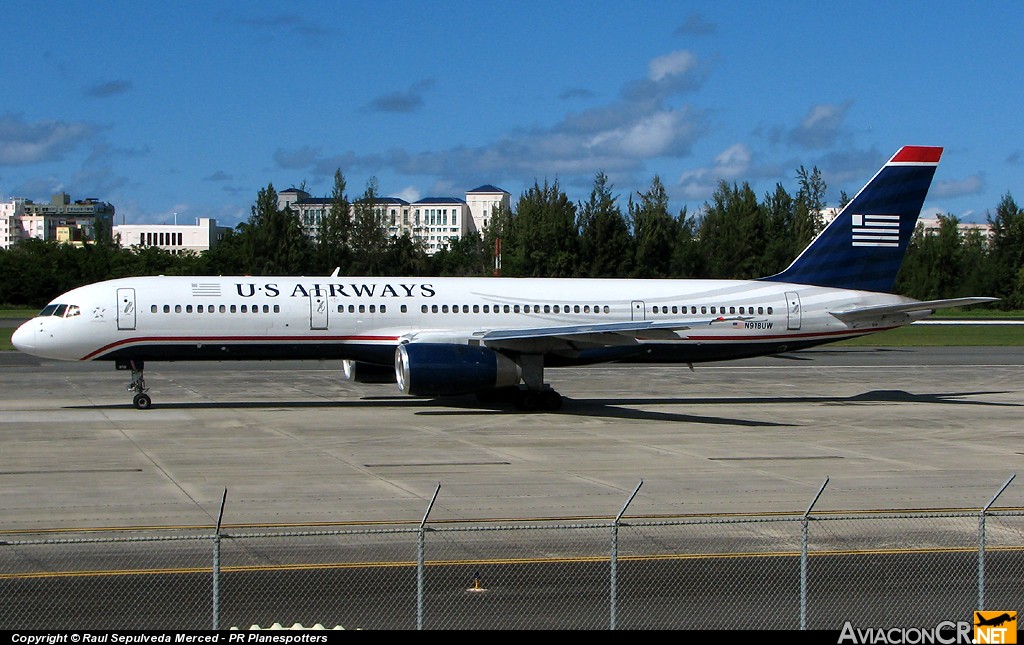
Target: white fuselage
[224, 318]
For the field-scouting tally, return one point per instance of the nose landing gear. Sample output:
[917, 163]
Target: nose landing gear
[141, 400]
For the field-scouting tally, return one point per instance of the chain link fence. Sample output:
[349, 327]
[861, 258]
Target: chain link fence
[809, 571]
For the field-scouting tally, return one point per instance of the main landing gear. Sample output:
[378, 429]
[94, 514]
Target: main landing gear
[530, 400]
[533, 395]
[537, 395]
[141, 400]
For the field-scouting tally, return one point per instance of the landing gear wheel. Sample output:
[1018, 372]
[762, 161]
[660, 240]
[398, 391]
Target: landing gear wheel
[142, 401]
[528, 400]
[550, 400]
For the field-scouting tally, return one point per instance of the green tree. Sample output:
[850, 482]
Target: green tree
[545, 233]
[335, 231]
[733, 232]
[369, 238]
[810, 203]
[465, 256]
[605, 242]
[687, 259]
[1007, 253]
[780, 246]
[496, 235]
[274, 241]
[654, 232]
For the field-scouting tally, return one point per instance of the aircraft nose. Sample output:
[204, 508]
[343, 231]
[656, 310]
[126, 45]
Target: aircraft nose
[24, 337]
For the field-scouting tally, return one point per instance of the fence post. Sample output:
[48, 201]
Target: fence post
[216, 564]
[981, 543]
[614, 560]
[421, 559]
[804, 538]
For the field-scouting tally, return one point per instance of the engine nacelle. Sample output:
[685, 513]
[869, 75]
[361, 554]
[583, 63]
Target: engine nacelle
[360, 372]
[437, 369]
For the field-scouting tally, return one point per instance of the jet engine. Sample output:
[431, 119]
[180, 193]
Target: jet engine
[360, 372]
[437, 369]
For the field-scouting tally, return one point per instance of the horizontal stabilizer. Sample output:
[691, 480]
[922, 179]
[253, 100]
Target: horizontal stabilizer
[906, 307]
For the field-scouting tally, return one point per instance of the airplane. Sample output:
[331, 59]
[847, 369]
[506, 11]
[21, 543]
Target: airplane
[443, 336]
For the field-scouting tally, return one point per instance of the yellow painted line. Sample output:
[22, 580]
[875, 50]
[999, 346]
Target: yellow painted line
[579, 518]
[496, 562]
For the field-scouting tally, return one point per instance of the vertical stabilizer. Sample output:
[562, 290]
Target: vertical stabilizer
[863, 247]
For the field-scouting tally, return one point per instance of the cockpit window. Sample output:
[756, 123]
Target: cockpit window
[73, 310]
[59, 311]
[48, 310]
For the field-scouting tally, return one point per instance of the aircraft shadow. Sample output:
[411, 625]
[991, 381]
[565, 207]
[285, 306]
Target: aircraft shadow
[611, 408]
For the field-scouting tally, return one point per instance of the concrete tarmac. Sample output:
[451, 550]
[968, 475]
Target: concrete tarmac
[292, 443]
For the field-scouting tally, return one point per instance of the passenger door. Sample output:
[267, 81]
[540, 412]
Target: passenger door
[126, 309]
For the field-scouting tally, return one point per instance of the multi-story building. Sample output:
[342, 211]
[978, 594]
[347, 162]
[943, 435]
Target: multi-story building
[434, 221]
[176, 238]
[60, 220]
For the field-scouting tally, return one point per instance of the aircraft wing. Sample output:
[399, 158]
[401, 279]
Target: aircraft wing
[600, 334]
[861, 313]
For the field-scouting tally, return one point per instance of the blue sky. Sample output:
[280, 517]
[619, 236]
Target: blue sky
[190, 108]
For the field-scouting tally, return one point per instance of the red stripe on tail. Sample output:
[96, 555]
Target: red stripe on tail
[918, 154]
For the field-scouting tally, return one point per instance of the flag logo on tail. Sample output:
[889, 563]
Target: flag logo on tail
[876, 230]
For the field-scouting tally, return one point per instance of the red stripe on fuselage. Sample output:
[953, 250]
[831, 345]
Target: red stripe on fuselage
[231, 339]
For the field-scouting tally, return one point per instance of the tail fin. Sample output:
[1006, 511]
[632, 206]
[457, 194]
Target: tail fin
[863, 247]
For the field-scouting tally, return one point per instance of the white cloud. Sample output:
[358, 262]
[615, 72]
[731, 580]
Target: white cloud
[674, 64]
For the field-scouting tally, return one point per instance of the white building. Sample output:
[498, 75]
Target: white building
[60, 220]
[434, 221]
[176, 238]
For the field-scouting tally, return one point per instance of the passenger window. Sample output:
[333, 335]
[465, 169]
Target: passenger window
[556, 309]
[188, 309]
[770, 311]
[607, 309]
[476, 309]
[245, 309]
[373, 309]
[383, 308]
[547, 309]
[732, 310]
[465, 309]
[586, 309]
[703, 309]
[152, 309]
[277, 309]
[234, 309]
[515, 309]
[167, 309]
[507, 309]
[362, 309]
[404, 309]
